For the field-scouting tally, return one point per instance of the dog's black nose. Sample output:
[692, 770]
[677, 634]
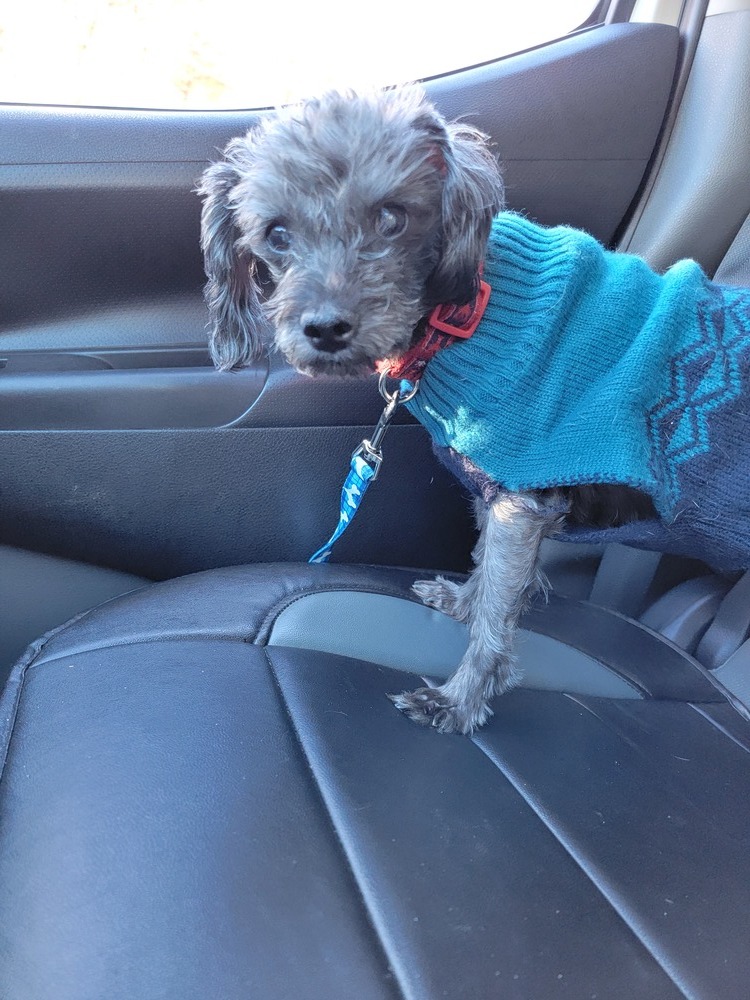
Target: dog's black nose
[328, 336]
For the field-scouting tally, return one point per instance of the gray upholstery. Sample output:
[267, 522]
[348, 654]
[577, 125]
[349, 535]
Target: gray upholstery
[702, 188]
[408, 636]
[735, 674]
[735, 268]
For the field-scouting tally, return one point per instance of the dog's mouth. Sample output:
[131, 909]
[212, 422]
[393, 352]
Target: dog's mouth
[344, 362]
[341, 348]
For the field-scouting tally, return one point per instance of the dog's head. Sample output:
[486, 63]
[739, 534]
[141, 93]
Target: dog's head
[364, 211]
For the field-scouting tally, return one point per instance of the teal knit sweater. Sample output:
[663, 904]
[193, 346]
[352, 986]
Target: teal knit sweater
[590, 368]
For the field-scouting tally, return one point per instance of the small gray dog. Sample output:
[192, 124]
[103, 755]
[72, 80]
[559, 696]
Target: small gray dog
[367, 212]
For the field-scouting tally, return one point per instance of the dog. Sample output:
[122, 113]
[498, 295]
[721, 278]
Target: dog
[359, 214]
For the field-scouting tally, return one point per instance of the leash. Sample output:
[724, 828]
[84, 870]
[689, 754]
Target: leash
[365, 464]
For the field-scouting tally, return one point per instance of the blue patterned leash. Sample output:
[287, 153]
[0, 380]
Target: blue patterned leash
[365, 465]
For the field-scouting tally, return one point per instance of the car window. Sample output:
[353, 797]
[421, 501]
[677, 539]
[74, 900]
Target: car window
[221, 54]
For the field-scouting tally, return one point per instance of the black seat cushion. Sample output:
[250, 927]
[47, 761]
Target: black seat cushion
[189, 811]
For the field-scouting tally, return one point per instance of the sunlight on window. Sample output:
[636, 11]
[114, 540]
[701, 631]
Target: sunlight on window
[220, 54]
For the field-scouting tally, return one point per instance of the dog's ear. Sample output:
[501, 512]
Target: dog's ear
[231, 292]
[472, 197]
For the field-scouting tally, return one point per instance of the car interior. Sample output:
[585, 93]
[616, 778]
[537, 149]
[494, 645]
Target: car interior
[205, 791]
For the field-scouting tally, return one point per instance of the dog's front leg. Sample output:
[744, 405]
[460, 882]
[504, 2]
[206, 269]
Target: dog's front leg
[506, 574]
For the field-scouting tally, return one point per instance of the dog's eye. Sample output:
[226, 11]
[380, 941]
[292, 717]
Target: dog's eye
[391, 220]
[278, 238]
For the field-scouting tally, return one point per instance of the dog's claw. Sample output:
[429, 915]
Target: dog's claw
[430, 707]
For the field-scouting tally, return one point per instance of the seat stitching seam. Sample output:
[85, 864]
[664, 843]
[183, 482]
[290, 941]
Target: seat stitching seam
[146, 641]
[601, 888]
[391, 965]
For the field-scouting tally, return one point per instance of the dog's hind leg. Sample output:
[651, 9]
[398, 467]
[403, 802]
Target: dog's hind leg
[506, 574]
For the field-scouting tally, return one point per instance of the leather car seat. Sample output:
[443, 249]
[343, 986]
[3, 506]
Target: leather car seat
[206, 792]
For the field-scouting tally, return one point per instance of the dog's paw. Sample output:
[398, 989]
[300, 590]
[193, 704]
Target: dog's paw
[442, 595]
[430, 707]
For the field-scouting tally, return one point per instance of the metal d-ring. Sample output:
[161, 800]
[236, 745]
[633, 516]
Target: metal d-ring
[397, 396]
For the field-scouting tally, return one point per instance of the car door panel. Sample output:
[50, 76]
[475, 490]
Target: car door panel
[164, 503]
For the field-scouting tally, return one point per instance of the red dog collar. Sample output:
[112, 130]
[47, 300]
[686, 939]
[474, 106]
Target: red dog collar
[445, 324]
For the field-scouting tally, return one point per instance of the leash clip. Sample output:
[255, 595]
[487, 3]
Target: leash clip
[370, 449]
[372, 456]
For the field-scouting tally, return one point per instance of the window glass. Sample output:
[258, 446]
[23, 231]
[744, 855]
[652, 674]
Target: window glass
[230, 54]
